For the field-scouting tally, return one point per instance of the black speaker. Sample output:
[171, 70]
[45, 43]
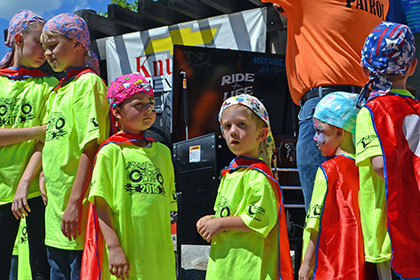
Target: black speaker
[197, 164]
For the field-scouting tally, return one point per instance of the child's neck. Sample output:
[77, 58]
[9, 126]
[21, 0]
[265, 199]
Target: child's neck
[346, 146]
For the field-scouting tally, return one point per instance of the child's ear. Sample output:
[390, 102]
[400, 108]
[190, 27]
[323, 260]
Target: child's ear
[412, 68]
[262, 134]
[340, 132]
[116, 112]
[19, 39]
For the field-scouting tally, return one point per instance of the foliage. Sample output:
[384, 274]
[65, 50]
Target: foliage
[123, 3]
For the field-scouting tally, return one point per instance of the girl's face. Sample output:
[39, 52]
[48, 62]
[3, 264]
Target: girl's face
[31, 52]
[136, 114]
[326, 137]
[242, 134]
[61, 53]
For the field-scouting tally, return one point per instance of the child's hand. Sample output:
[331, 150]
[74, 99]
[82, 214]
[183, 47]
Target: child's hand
[208, 226]
[118, 264]
[20, 207]
[41, 133]
[42, 188]
[70, 224]
[304, 271]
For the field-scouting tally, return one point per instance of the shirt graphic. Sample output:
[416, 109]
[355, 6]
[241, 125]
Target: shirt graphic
[144, 178]
[14, 110]
[55, 128]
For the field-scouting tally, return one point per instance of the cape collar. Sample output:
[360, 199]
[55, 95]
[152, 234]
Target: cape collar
[21, 73]
[71, 74]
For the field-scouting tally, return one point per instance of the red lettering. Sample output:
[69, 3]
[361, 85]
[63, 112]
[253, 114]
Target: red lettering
[141, 68]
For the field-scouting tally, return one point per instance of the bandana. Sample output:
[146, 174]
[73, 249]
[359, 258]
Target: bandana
[267, 147]
[19, 22]
[338, 109]
[74, 27]
[389, 51]
[126, 86]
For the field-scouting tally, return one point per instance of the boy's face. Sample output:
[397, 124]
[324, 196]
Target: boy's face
[61, 53]
[32, 52]
[242, 134]
[326, 138]
[136, 114]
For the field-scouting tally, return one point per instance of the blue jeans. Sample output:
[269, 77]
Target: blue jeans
[65, 264]
[308, 156]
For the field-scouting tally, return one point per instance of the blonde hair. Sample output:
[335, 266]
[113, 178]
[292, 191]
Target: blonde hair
[50, 35]
[251, 115]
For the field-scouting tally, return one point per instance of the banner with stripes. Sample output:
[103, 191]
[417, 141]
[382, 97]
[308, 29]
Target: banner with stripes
[150, 52]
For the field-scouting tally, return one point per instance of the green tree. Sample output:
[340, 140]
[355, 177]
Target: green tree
[132, 5]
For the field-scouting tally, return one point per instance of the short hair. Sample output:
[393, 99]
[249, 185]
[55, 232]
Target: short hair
[251, 115]
[48, 35]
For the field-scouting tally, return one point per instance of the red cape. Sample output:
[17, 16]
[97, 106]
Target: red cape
[285, 270]
[397, 127]
[340, 253]
[94, 241]
[21, 73]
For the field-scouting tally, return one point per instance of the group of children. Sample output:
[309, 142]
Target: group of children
[364, 208]
[114, 222]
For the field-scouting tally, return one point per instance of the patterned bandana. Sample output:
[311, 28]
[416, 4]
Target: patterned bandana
[19, 22]
[338, 109]
[126, 86]
[389, 51]
[267, 147]
[74, 27]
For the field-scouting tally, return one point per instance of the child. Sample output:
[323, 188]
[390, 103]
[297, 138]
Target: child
[23, 96]
[387, 135]
[77, 124]
[335, 246]
[248, 232]
[133, 189]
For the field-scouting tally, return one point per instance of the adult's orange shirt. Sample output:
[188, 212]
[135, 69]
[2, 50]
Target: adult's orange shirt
[325, 39]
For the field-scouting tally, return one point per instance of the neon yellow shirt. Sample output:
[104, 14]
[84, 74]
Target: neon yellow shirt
[77, 114]
[22, 104]
[245, 255]
[138, 185]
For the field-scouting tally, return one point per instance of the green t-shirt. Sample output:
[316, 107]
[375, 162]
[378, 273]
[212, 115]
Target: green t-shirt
[77, 114]
[245, 255]
[22, 104]
[372, 199]
[138, 185]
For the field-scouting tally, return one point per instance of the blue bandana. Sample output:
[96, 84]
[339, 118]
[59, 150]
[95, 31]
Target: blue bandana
[338, 109]
[389, 51]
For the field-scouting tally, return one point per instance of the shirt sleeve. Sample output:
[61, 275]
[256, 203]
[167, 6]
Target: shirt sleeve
[171, 184]
[91, 118]
[317, 202]
[260, 211]
[367, 141]
[101, 183]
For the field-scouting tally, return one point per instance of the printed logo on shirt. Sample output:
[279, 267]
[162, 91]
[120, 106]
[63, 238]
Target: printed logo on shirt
[374, 7]
[365, 141]
[15, 111]
[23, 235]
[222, 208]
[313, 213]
[56, 127]
[256, 212]
[94, 122]
[144, 178]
